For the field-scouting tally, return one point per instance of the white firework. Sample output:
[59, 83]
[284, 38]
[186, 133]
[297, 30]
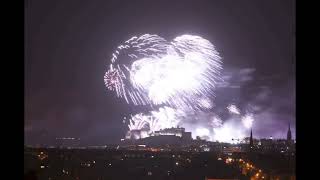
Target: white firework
[149, 70]
[155, 120]
[233, 109]
[154, 124]
[205, 103]
[247, 120]
[138, 122]
[229, 132]
[166, 117]
[216, 122]
[202, 132]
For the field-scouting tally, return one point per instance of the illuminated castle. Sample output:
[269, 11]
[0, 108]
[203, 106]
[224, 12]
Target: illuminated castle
[142, 133]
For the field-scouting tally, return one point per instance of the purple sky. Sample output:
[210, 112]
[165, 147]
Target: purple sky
[69, 44]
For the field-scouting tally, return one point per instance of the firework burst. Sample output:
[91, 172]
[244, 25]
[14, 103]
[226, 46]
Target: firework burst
[155, 120]
[148, 70]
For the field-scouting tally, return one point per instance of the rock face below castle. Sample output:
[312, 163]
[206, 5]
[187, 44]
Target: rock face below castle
[169, 136]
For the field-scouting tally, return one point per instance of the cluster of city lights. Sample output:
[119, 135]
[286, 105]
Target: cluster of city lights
[248, 167]
[88, 164]
[65, 172]
[42, 156]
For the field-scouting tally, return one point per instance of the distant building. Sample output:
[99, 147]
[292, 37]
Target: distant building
[67, 142]
[278, 145]
[231, 150]
[266, 144]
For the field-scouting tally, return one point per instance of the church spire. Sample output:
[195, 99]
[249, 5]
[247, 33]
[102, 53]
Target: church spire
[251, 139]
[289, 138]
[289, 126]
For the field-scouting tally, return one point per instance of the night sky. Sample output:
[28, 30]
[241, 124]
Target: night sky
[69, 45]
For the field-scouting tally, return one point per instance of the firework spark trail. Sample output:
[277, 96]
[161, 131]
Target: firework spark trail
[233, 109]
[152, 71]
[205, 103]
[137, 122]
[154, 124]
[155, 120]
